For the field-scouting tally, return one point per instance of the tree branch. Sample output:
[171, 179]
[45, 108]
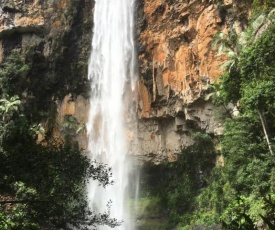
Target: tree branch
[20, 201]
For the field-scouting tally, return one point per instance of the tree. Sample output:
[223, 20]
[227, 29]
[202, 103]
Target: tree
[258, 79]
[8, 106]
[42, 185]
[242, 192]
[13, 73]
[46, 183]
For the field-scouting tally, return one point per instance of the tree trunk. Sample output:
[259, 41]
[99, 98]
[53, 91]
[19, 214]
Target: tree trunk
[265, 132]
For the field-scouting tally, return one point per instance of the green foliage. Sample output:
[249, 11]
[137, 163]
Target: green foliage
[230, 86]
[229, 45]
[175, 183]
[241, 192]
[260, 5]
[46, 182]
[257, 60]
[258, 74]
[72, 124]
[9, 106]
[149, 213]
[236, 190]
[15, 80]
[13, 74]
[42, 185]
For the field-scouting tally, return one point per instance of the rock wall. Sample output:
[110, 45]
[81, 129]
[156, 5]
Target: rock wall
[53, 37]
[177, 63]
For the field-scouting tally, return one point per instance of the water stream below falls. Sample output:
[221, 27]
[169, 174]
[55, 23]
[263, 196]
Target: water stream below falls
[111, 72]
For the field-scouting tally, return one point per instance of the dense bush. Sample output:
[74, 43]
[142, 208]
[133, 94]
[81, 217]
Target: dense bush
[173, 186]
[42, 185]
[241, 193]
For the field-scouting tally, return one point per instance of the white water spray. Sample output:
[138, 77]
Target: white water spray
[111, 70]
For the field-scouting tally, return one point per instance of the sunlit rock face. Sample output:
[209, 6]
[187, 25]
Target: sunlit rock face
[177, 63]
[21, 15]
[177, 43]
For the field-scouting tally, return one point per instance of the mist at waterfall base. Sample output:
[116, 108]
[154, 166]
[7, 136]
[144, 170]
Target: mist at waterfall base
[112, 73]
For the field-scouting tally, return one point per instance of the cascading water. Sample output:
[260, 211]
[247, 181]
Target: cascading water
[111, 71]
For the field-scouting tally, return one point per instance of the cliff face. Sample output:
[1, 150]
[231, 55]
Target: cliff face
[53, 38]
[177, 63]
[178, 52]
[50, 22]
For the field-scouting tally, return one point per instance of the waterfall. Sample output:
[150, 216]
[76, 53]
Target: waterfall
[111, 72]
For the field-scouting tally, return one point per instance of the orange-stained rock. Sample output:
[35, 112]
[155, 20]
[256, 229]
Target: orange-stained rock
[21, 14]
[145, 99]
[63, 4]
[177, 63]
[77, 108]
[178, 40]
